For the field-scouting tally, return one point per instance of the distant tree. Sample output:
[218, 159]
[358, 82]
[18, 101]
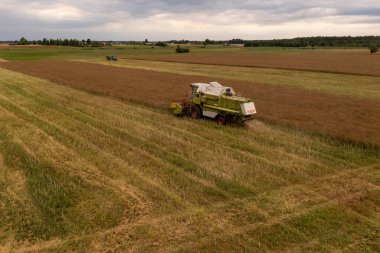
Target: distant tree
[23, 41]
[65, 42]
[182, 50]
[373, 48]
[146, 41]
[88, 42]
[96, 44]
[45, 42]
[161, 44]
[236, 41]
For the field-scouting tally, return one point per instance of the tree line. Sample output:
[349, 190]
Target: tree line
[345, 41]
[372, 42]
[62, 42]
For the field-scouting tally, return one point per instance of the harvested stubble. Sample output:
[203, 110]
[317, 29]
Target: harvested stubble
[82, 172]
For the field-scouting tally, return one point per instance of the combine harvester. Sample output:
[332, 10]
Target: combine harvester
[111, 58]
[212, 100]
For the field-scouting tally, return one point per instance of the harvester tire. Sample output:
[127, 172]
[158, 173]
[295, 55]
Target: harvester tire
[196, 112]
[221, 120]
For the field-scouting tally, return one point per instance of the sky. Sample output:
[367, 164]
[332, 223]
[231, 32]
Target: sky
[181, 19]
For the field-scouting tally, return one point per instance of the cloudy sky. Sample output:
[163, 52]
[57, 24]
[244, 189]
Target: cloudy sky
[191, 19]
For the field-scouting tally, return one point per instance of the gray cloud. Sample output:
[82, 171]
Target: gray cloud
[193, 19]
[362, 12]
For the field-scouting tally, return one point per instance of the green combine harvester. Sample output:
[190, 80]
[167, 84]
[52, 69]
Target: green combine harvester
[212, 100]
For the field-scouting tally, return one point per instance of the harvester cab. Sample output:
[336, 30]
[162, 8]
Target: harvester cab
[213, 100]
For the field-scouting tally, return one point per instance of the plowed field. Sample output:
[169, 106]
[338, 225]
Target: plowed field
[353, 62]
[355, 119]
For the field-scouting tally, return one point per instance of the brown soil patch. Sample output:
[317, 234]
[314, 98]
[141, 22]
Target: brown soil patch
[353, 118]
[352, 62]
[2, 60]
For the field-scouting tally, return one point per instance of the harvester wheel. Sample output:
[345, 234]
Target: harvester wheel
[221, 121]
[196, 112]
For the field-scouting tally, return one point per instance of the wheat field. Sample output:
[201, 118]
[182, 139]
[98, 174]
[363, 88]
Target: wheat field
[86, 172]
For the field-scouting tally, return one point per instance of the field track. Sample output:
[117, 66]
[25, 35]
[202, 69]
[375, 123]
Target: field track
[354, 62]
[355, 119]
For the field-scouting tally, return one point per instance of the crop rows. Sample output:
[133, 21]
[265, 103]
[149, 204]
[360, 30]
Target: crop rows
[79, 170]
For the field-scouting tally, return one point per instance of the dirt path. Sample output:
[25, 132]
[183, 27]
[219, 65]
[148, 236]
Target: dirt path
[2, 60]
[346, 117]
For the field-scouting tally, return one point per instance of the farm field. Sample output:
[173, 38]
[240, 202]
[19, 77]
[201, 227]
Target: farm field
[331, 83]
[92, 161]
[349, 62]
[81, 171]
[345, 117]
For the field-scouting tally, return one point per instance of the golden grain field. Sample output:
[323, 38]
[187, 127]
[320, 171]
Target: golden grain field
[84, 172]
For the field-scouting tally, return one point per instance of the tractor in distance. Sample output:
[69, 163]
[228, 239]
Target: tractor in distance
[111, 58]
[212, 100]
